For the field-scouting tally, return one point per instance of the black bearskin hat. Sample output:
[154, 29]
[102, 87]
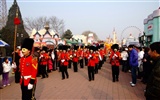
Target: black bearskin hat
[28, 43]
[76, 47]
[115, 46]
[44, 48]
[92, 48]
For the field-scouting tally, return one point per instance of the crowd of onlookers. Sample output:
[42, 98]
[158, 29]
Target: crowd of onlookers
[139, 56]
[142, 62]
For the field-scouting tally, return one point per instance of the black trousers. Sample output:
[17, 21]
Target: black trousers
[28, 94]
[115, 72]
[64, 71]
[81, 63]
[124, 65]
[100, 64]
[86, 61]
[96, 68]
[69, 63]
[90, 73]
[17, 76]
[75, 67]
[44, 71]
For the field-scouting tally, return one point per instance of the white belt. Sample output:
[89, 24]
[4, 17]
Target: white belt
[26, 77]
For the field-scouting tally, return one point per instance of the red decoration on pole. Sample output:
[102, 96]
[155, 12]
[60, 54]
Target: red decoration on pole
[17, 21]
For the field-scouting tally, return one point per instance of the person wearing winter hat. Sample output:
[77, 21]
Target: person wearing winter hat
[115, 61]
[28, 70]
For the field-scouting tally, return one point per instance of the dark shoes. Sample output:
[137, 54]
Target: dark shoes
[115, 80]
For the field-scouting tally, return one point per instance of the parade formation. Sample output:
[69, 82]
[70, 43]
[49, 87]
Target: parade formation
[39, 56]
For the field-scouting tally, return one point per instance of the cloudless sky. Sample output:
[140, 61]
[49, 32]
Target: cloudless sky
[98, 16]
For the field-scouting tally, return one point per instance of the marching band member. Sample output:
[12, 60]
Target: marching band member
[96, 60]
[81, 55]
[43, 62]
[59, 52]
[69, 51]
[86, 54]
[64, 62]
[101, 51]
[28, 70]
[115, 62]
[91, 63]
[75, 59]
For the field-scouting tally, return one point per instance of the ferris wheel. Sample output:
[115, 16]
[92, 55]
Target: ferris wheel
[135, 31]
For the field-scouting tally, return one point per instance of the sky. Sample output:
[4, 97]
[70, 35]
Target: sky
[98, 16]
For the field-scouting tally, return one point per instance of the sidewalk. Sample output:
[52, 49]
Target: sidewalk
[77, 87]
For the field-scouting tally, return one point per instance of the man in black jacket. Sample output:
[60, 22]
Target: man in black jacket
[153, 84]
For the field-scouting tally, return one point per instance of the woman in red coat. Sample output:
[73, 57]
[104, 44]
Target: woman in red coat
[115, 62]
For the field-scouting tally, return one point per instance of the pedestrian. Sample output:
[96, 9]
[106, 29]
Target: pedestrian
[153, 87]
[28, 70]
[124, 56]
[147, 65]
[133, 62]
[6, 69]
[115, 62]
[18, 55]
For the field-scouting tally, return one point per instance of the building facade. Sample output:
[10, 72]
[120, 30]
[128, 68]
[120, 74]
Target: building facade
[45, 37]
[152, 27]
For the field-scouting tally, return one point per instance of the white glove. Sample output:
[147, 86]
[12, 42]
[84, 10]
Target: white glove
[62, 60]
[14, 65]
[115, 55]
[30, 86]
[90, 56]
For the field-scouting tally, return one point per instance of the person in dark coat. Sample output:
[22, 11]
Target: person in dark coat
[153, 84]
[16, 70]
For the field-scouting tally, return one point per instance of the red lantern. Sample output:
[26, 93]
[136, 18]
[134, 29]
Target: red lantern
[17, 21]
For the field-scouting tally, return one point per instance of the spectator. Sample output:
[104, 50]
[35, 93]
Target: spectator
[124, 56]
[153, 87]
[133, 62]
[6, 69]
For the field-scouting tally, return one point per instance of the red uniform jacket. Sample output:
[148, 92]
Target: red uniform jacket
[101, 53]
[96, 58]
[64, 56]
[86, 54]
[91, 61]
[115, 58]
[44, 59]
[28, 67]
[70, 54]
[81, 53]
[75, 57]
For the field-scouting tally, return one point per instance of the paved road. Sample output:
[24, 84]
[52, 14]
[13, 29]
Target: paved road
[77, 87]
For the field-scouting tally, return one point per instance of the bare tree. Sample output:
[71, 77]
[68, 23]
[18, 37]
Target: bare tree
[37, 23]
[57, 25]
